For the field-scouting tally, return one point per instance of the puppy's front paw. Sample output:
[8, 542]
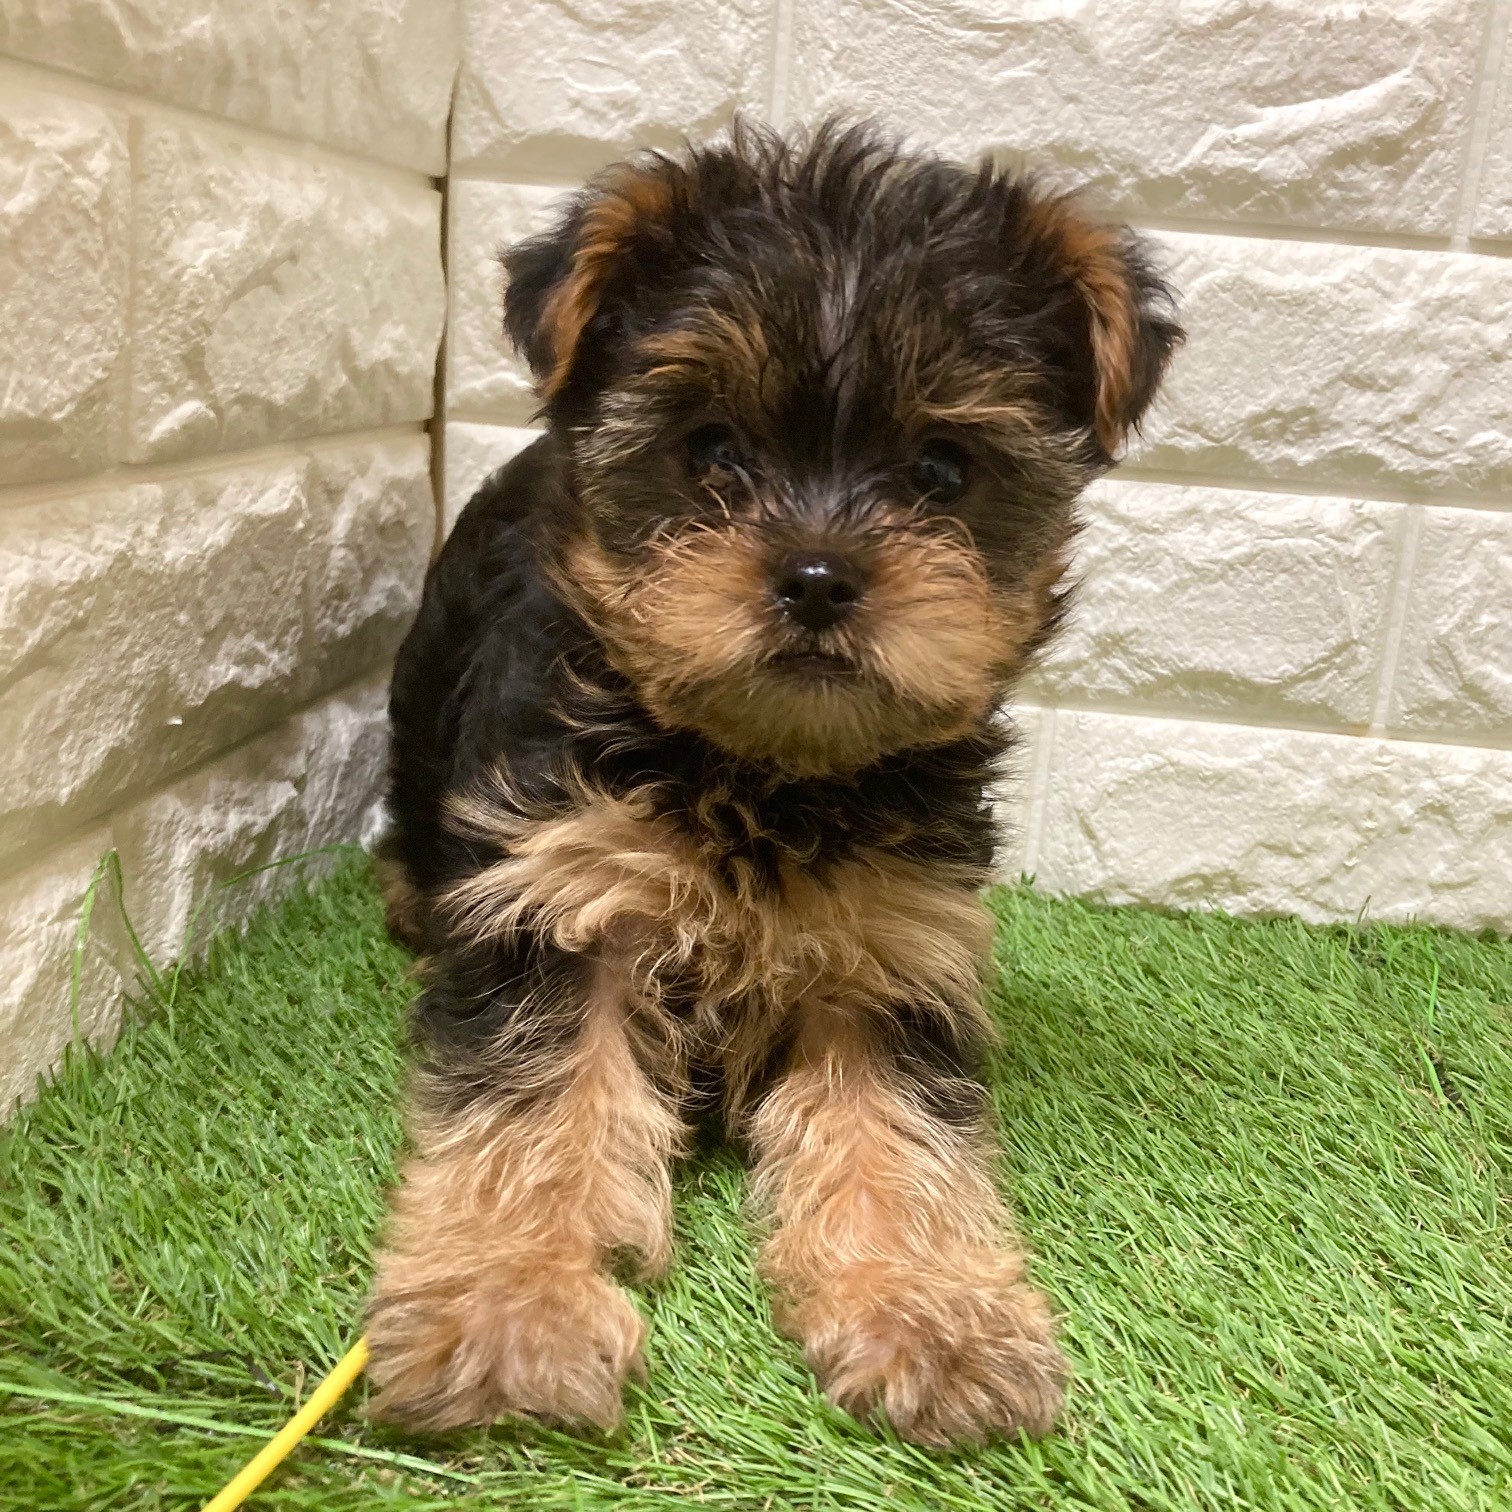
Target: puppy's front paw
[449, 1351]
[948, 1358]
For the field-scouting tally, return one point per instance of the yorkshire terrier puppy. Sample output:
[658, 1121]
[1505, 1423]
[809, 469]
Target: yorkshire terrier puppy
[692, 746]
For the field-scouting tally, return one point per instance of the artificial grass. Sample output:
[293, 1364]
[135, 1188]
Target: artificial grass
[1265, 1169]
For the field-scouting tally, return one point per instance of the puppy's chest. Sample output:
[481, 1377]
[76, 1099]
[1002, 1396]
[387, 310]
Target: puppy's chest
[730, 905]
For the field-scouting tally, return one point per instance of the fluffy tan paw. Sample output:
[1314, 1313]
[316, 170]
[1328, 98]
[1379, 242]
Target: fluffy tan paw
[449, 1351]
[949, 1359]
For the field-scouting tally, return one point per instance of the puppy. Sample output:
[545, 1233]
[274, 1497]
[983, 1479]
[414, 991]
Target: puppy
[692, 744]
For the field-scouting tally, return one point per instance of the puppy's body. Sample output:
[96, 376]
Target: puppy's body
[692, 739]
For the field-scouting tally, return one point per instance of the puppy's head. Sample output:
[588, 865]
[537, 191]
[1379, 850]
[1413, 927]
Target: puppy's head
[826, 406]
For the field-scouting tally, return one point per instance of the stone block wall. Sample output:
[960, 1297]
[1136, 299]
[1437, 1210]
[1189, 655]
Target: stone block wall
[1288, 687]
[222, 295]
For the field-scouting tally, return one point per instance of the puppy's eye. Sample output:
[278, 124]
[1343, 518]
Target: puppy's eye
[940, 471]
[714, 448]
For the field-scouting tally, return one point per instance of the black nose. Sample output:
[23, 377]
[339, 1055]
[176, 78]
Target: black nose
[817, 589]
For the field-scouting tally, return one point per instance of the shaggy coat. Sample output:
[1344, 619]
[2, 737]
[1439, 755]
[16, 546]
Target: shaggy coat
[693, 741]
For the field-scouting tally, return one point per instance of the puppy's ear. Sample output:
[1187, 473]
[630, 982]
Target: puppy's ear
[562, 286]
[1116, 318]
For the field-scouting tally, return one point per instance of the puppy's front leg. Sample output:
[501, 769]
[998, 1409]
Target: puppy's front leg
[892, 1256]
[540, 1152]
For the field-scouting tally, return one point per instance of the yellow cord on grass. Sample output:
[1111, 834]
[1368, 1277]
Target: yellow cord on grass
[267, 1459]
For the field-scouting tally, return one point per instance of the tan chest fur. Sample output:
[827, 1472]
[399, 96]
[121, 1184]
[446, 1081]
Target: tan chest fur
[616, 878]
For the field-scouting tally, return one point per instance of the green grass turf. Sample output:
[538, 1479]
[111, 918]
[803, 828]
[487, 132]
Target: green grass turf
[1265, 1169]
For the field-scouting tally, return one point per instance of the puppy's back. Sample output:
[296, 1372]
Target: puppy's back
[472, 677]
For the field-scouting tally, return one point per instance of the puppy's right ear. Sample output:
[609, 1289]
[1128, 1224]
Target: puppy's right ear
[566, 286]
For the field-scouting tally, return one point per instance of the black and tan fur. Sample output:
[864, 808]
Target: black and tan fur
[657, 833]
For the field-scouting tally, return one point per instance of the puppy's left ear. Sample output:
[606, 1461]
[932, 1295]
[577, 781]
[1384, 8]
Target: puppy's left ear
[564, 287]
[1120, 318]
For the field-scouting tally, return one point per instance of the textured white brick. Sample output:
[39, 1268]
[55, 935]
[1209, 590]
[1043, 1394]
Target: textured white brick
[1260, 821]
[306, 784]
[1014, 794]
[373, 76]
[1311, 112]
[346, 744]
[375, 509]
[40, 913]
[142, 625]
[1454, 669]
[143, 628]
[1222, 600]
[276, 298]
[1493, 209]
[1339, 364]
[484, 376]
[561, 89]
[472, 453]
[63, 262]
